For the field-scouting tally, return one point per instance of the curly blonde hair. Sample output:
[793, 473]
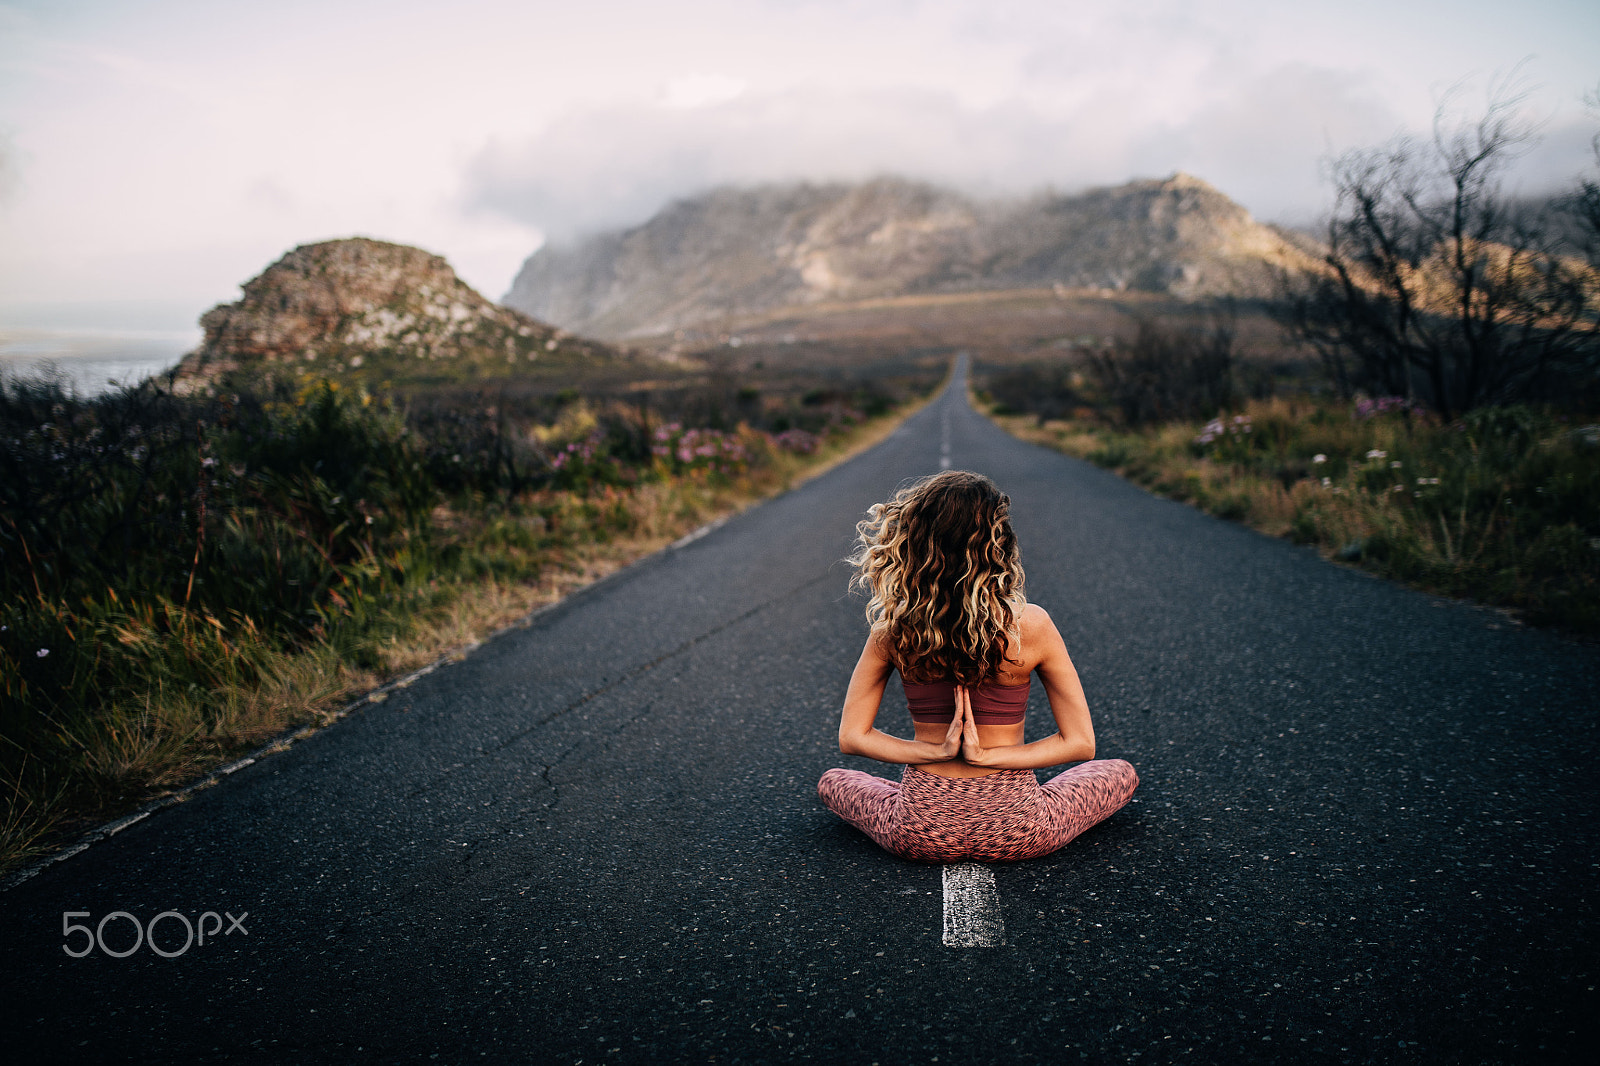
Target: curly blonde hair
[940, 566]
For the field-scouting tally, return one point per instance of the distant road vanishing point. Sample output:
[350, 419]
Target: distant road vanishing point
[1366, 830]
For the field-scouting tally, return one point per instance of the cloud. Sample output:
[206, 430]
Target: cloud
[698, 90]
[1265, 143]
[9, 170]
[605, 167]
[615, 165]
[1563, 152]
[173, 147]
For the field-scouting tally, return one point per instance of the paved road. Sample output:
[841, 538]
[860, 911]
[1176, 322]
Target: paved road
[1365, 832]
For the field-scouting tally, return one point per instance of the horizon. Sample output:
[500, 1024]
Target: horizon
[143, 320]
[152, 161]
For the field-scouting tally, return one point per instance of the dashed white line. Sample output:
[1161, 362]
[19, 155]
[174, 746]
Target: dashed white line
[122, 823]
[972, 916]
[694, 535]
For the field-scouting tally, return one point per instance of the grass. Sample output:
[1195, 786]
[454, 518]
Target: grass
[1501, 506]
[185, 578]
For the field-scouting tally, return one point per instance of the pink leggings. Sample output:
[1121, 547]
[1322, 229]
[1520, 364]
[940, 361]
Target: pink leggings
[1006, 815]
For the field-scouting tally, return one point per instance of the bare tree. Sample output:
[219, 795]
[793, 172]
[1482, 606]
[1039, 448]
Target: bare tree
[1438, 288]
[1584, 204]
[1171, 369]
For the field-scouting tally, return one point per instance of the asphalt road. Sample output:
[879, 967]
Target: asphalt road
[1366, 830]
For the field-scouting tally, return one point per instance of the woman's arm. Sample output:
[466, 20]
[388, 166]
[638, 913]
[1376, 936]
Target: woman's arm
[856, 733]
[1073, 740]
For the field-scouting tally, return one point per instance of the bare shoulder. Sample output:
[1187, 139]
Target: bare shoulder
[1035, 621]
[877, 647]
[1040, 640]
[1039, 629]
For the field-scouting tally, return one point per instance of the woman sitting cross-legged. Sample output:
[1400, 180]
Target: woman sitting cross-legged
[940, 564]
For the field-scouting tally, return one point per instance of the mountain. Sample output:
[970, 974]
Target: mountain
[373, 312]
[736, 251]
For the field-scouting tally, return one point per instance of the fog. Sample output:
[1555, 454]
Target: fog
[617, 165]
[155, 156]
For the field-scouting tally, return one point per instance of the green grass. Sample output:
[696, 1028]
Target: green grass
[183, 578]
[1501, 506]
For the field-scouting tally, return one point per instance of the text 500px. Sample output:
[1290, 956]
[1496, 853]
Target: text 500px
[193, 934]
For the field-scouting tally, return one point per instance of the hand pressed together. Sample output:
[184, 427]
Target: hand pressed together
[950, 747]
[971, 749]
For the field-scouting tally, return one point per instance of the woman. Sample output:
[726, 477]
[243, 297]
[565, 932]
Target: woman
[940, 564]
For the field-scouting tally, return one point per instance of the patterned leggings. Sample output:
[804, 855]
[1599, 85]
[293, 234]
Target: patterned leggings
[1006, 815]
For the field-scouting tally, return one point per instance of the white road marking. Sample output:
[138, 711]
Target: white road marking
[944, 440]
[972, 916]
[694, 535]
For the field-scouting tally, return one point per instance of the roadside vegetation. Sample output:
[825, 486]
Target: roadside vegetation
[183, 577]
[1442, 424]
[1501, 506]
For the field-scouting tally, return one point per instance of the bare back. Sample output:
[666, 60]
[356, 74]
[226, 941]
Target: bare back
[1037, 647]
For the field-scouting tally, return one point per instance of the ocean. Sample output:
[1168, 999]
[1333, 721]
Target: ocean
[92, 362]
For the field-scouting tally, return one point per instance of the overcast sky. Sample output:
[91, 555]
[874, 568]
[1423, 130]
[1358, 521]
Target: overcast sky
[156, 153]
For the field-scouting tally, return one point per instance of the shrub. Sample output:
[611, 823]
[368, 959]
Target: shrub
[1043, 391]
[1168, 371]
[1501, 505]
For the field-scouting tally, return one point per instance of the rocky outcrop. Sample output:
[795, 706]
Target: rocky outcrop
[737, 251]
[1178, 236]
[373, 310]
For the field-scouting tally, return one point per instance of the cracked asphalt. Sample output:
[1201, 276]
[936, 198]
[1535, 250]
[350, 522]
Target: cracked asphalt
[1365, 831]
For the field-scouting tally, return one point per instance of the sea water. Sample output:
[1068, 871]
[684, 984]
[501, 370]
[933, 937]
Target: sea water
[91, 362]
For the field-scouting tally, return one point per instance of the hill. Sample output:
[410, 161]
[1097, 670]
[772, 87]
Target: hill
[376, 313]
[737, 251]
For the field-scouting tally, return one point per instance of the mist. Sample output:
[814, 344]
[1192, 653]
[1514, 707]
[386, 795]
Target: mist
[165, 153]
[615, 166]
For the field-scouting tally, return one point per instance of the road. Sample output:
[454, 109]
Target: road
[1365, 830]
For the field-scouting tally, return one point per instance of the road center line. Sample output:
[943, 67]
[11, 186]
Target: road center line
[972, 916]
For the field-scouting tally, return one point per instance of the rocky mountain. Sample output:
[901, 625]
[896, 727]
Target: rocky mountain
[736, 251]
[373, 311]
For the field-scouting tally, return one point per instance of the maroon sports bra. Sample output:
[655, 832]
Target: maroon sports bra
[991, 704]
